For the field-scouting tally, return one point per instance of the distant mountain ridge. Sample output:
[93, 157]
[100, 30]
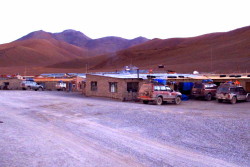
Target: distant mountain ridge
[94, 46]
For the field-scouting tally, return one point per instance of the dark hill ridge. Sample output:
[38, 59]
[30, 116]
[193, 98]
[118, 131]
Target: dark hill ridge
[73, 37]
[37, 35]
[94, 46]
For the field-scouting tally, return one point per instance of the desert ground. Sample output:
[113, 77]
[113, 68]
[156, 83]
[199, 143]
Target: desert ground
[63, 129]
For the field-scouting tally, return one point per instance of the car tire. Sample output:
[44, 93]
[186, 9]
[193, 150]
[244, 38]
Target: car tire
[40, 89]
[159, 101]
[145, 101]
[248, 98]
[208, 97]
[177, 100]
[219, 100]
[233, 100]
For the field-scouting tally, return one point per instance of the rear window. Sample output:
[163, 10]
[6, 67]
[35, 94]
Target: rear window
[146, 87]
[198, 85]
[223, 90]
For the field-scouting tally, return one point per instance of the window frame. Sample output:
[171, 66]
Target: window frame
[93, 86]
[113, 87]
[134, 87]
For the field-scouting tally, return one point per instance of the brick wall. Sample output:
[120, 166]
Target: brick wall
[79, 84]
[103, 88]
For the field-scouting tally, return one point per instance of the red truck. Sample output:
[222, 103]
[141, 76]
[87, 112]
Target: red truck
[204, 90]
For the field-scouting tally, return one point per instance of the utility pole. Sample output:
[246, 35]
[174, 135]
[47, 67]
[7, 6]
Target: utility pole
[211, 60]
[86, 68]
[25, 71]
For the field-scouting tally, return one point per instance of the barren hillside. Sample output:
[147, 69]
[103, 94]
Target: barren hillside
[216, 52]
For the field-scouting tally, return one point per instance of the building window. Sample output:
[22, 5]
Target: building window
[93, 86]
[132, 86]
[113, 87]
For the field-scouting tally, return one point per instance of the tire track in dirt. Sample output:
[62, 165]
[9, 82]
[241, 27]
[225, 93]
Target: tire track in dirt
[155, 150]
[170, 154]
[75, 146]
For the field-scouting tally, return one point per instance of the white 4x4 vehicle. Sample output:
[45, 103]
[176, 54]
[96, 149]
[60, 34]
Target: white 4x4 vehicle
[31, 85]
[231, 93]
[150, 92]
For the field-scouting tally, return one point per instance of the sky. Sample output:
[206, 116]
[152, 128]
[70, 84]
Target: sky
[124, 18]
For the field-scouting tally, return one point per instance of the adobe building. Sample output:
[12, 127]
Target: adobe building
[74, 83]
[119, 87]
[10, 83]
[244, 80]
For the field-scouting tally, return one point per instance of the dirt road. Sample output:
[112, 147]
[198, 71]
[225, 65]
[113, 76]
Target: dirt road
[66, 129]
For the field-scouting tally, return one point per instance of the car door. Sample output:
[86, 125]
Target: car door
[163, 91]
[170, 94]
[242, 94]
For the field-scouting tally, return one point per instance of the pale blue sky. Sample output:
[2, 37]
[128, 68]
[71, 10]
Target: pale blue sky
[123, 18]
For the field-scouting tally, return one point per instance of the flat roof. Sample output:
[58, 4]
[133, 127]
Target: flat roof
[53, 79]
[165, 76]
[144, 76]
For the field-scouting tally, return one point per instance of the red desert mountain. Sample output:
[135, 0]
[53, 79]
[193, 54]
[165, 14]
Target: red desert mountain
[37, 52]
[40, 49]
[42, 52]
[217, 52]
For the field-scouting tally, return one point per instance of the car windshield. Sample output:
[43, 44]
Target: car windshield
[211, 86]
[232, 90]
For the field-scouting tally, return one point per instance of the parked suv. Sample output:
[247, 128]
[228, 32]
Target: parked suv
[60, 86]
[206, 90]
[31, 85]
[152, 92]
[231, 93]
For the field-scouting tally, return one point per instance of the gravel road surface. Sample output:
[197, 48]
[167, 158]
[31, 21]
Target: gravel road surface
[61, 129]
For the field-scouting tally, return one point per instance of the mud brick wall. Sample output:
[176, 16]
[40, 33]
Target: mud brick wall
[103, 89]
[14, 84]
